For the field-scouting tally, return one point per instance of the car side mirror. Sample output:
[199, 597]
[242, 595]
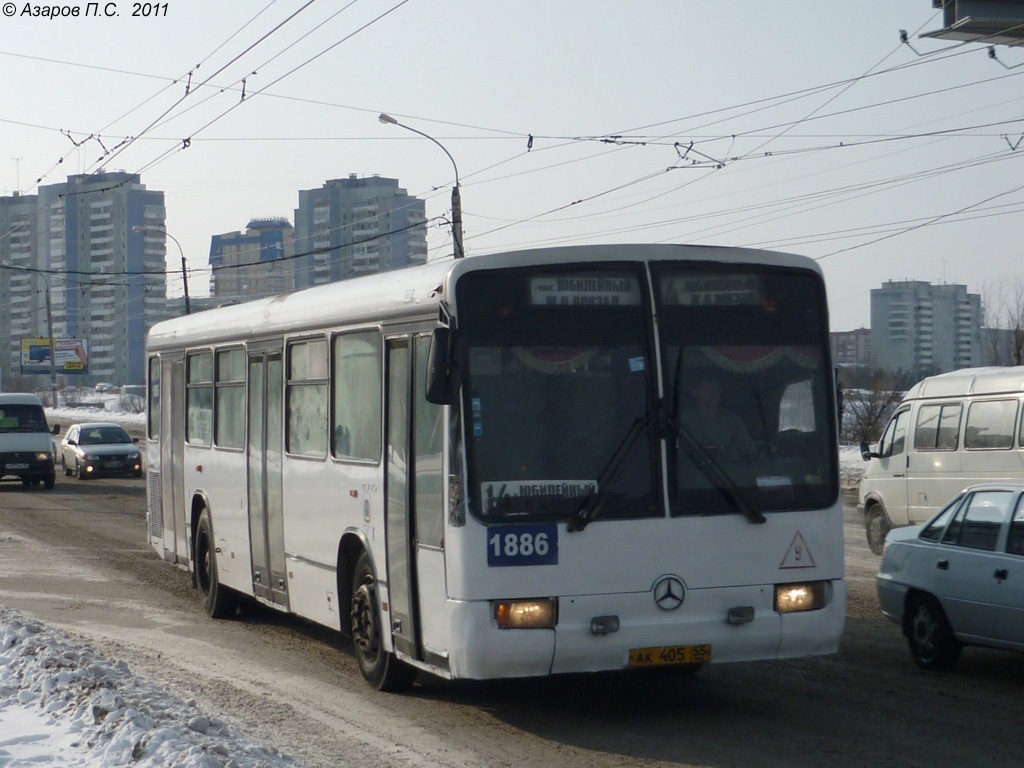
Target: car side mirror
[439, 384]
[866, 452]
[135, 439]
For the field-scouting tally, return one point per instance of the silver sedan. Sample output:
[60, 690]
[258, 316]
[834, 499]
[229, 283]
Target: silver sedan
[99, 448]
[959, 579]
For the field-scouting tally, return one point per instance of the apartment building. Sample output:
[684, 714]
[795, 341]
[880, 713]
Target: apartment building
[254, 263]
[357, 226]
[96, 243]
[921, 328]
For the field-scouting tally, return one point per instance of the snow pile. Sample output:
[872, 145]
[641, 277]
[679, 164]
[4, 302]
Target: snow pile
[64, 704]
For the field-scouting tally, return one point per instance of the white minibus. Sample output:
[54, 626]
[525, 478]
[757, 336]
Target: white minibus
[949, 431]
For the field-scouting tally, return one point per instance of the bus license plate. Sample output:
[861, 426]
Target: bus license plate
[17, 466]
[670, 654]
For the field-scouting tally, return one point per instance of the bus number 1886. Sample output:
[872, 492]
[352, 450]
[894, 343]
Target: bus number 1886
[522, 545]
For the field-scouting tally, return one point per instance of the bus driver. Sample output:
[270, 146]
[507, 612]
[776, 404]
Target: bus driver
[718, 430]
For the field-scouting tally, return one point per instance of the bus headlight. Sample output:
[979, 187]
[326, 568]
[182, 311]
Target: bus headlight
[44, 456]
[809, 596]
[540, 613]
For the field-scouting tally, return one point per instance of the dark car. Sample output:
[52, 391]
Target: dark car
[959, 579]
[99, 448]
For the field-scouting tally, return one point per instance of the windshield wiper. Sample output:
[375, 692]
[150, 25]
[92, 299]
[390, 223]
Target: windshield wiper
[588, 509]
[712, 470]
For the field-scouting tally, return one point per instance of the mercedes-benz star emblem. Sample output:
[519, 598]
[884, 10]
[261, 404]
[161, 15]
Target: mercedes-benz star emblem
[669, 593]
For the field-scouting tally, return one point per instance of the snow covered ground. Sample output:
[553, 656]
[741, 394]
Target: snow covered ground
[63, 704]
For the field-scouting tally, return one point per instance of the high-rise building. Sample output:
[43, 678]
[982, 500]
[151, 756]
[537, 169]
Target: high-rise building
[98, 242]
[920, 328]
[22, 291]
[357, 226]
[255, 263]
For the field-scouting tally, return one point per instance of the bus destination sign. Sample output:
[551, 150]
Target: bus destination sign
[582, 290]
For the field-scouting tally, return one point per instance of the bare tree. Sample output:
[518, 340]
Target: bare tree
[1003, 335]
[866, 409]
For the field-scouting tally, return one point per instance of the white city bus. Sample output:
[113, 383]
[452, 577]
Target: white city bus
[482, 468]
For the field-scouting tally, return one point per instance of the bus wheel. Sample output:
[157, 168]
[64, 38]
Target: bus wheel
[876, 527]
[49, 481]
[219, 602]
[380, 668]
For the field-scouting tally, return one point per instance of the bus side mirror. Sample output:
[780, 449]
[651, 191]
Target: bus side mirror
[439, 390]
[865, 452]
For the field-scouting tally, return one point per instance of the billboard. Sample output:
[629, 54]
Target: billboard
[72, 356]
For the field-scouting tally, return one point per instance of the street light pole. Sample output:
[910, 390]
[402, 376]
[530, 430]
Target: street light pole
[459, 252]
[53, 343]
[184, 264]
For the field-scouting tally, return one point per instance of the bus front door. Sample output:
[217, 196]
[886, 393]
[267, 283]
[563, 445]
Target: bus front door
[414, 519]
[265, 447]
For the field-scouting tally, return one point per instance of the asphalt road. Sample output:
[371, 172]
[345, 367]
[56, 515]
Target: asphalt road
[76, 558]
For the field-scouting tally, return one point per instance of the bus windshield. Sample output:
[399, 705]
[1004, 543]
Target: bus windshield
[745, 364]
[557, 379]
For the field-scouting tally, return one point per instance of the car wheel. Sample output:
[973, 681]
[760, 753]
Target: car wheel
[876, 527]
[49, 481]
[381, 669]
[64, 465]
[932, 642]
[219, 601]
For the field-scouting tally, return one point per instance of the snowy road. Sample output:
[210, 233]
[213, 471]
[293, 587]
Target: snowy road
[76, 559]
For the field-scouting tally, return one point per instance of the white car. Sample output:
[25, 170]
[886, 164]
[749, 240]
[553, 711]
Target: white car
[99, 448]
[959, 579]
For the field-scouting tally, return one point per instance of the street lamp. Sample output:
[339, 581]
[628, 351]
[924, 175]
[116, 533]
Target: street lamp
[49, 328]
[184, 265]
[456, 197]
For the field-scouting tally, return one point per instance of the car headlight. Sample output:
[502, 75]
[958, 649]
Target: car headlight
[808, 596]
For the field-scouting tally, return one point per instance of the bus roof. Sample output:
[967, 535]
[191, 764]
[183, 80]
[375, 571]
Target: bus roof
[416, 292]
[969, 381]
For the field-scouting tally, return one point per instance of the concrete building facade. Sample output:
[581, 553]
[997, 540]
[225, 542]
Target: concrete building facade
[97, 243]
[357, 226]
[254, 263]
[921, 328]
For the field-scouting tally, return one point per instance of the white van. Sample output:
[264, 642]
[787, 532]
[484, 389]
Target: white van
[26, 448]
[950, 431]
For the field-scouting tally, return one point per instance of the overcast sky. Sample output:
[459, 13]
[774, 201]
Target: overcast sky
[798, 126]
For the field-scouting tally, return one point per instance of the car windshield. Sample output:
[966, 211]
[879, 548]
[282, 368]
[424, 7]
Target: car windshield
[18, 417]
[103, 436]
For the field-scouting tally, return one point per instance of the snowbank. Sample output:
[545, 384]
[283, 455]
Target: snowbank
[61, 703]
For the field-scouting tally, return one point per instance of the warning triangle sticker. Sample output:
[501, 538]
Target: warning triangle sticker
[798, 555]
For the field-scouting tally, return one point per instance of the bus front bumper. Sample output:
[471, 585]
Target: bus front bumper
[581, 642]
